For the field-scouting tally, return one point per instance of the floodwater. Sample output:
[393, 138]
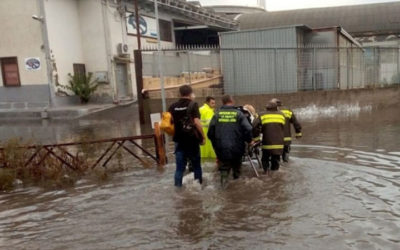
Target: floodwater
[340, 190]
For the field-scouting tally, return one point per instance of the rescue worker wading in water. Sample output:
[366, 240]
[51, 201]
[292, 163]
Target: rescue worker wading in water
[271, 124]
[206, 114]
[290, 119]
[229, 131]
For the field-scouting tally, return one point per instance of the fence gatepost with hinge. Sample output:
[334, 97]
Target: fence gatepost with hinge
[160, 145]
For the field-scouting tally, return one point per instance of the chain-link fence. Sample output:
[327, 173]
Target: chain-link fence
[284, 70]
[270, 70]
[199, 68]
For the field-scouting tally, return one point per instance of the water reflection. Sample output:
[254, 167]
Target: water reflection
[341, 190]
[114, 123]
[193, 220]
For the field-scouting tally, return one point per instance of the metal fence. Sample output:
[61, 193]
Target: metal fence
[272, 70]
[285, 70]
[176, 62]
[199, 67]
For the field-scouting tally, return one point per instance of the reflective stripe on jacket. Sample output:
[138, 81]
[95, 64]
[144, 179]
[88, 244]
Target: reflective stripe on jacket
[290, 119]
[271, 124]
[206, 114]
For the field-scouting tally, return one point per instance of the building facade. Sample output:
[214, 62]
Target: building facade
[97, 36]
[20, 41]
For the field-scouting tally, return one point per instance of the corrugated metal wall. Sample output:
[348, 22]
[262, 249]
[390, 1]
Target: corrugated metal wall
[264, 38]
[248, 68]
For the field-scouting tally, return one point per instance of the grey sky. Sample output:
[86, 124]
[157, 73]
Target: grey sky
[293, 4]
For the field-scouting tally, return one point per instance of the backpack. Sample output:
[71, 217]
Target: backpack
[166, 123]
[188, 127]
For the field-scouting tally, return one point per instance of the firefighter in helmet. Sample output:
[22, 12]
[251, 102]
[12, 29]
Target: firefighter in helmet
[290, 120]
[271, 124]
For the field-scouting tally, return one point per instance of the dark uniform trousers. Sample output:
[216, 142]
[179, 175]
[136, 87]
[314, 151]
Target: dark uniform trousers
[270, 161]
[228, 131]
[285, 154]
[226, 166]
[290, 119]
[271, 125]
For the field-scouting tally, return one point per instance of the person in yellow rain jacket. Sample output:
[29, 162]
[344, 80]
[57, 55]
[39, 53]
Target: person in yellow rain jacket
[206, 114]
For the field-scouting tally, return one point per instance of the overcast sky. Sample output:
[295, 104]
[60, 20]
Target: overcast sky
[293, 4]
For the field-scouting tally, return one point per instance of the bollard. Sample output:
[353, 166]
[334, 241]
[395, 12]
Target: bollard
[160, 145]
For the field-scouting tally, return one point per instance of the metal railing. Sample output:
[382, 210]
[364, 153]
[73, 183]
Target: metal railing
[71, 155]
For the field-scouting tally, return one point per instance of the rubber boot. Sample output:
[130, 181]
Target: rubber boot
[285, 157]
[190, 167]
[224, 178]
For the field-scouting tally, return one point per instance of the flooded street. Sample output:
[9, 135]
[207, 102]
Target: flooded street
[340, 190]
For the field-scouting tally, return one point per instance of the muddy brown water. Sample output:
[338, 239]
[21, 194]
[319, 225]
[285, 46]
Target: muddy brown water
[340, 190]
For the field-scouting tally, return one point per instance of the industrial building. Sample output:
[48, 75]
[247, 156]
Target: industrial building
[234, 10]
[288, 59]
[83, 36]
[371, 24]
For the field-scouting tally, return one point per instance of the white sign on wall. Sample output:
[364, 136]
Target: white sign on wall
[147, 25]
[32, 63]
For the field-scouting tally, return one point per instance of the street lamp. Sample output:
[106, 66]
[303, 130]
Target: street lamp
[35, 17]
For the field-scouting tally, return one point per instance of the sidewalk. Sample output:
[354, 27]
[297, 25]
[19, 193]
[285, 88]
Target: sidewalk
[65, 112]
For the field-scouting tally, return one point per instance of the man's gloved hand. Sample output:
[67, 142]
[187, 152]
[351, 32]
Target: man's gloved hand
[299, 135]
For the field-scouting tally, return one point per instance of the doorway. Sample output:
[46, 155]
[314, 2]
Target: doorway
[121, 77]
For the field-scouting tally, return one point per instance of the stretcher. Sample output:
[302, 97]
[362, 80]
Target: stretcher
[253, 152]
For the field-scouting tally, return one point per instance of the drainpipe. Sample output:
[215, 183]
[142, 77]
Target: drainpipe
[45, 36]
[106, 26]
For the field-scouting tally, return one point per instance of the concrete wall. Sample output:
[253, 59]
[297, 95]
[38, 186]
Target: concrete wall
[94, 44]
[63, 26]
[376, 98]
[92, 35]
[102, 29]
[21, 36]
[25, 96]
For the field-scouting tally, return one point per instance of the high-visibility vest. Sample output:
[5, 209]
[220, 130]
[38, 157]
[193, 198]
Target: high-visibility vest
[206, 114]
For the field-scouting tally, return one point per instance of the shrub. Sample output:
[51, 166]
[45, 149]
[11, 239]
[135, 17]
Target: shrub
[82, 85]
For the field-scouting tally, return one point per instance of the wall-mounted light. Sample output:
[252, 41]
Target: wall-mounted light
[37, 18]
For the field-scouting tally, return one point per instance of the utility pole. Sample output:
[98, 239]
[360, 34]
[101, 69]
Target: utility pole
[45, 36]
[160, 69]
[139, 66]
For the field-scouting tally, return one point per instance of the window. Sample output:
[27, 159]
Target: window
[165, 31]
[10, 72]
[79, 69]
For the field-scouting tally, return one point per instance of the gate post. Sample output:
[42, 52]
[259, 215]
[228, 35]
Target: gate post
[160, 145]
